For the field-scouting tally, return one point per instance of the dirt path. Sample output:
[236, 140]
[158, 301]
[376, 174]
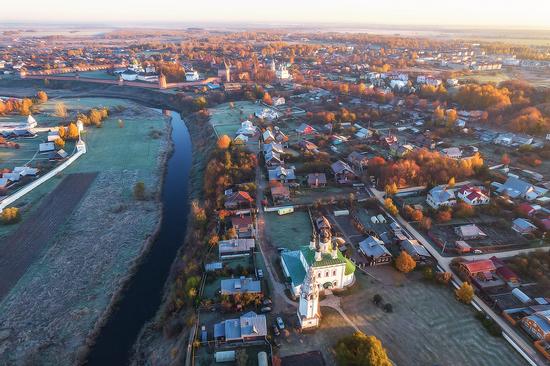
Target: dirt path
[27, 242]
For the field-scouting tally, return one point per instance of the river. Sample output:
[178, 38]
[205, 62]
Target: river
[143, 296]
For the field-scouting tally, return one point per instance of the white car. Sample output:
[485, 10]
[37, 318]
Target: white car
[280, 323]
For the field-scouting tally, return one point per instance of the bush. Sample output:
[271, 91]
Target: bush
[443, 277]
[377, 299]
[10, 215]
[139, 191]
[388, 308]
[59, 143]
[492, 327]
[42, 96]
[428, 273]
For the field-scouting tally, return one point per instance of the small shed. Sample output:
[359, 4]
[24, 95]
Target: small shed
[224, 356]
[521, 296]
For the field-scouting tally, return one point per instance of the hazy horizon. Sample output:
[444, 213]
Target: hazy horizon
[490, 14]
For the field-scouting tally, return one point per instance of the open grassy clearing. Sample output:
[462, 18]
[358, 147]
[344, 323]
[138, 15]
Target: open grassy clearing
[227, 120]
[288, 231]
[427, 326]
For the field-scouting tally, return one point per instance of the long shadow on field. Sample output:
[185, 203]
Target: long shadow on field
[25, 245]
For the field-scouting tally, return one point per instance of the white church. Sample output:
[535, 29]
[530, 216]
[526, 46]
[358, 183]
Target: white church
[322, 258]
[313, 269]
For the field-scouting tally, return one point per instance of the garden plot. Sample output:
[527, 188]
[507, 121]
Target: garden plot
[500, 238]
[307, 196]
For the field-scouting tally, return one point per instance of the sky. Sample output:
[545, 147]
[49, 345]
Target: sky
[478, 13]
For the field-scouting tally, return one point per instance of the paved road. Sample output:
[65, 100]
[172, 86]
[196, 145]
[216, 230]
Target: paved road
[444, 263]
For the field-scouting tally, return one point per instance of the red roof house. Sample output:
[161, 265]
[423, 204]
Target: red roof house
[479, 269]
[238, 199]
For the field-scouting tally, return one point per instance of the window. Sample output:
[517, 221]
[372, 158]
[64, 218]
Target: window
[334, 272]
[326, 274]
[319, 275]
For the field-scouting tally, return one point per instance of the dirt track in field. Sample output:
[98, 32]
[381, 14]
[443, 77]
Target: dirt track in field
[25, 245]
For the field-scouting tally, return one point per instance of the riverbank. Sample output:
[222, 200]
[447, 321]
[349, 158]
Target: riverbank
[60, 304]
[118, 295]
[164, 338]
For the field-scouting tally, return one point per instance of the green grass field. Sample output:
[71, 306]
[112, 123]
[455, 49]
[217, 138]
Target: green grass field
[109, 148]
[227, 120]
[288, 231]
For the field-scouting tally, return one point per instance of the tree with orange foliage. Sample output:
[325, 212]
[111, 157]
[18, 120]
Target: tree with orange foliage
[438, 115]
[25, 108]
[451, 116]
[73, 132]
[505, 159]
[465, 293]
[444, 215]
[224, 142]
[473, 96]
[390, 206]
[59, 143]
[267, 99]
[463, 210]
[405, 263]
[391, 189]
[42, 96]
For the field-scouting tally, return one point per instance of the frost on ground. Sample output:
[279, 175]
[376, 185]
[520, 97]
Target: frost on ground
[48, 315]
[55, 305]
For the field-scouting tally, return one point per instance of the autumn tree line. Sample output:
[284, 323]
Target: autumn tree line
[424, 167]
[23, 106]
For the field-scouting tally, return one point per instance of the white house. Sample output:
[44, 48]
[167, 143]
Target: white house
[398, 84]
[192, 75]
[248, 327]
[279, 101]
[441, 196]
[473, 196]
[518, 188]
[129, 75]
[247, 128]
[452, 152]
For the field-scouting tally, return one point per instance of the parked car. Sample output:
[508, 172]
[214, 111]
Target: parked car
[265, 309]
[276, 330]
[260, 273]
[267, 302]
[280, 323]
[478, 251]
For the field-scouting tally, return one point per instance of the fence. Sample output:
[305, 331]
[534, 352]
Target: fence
[29, 187]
